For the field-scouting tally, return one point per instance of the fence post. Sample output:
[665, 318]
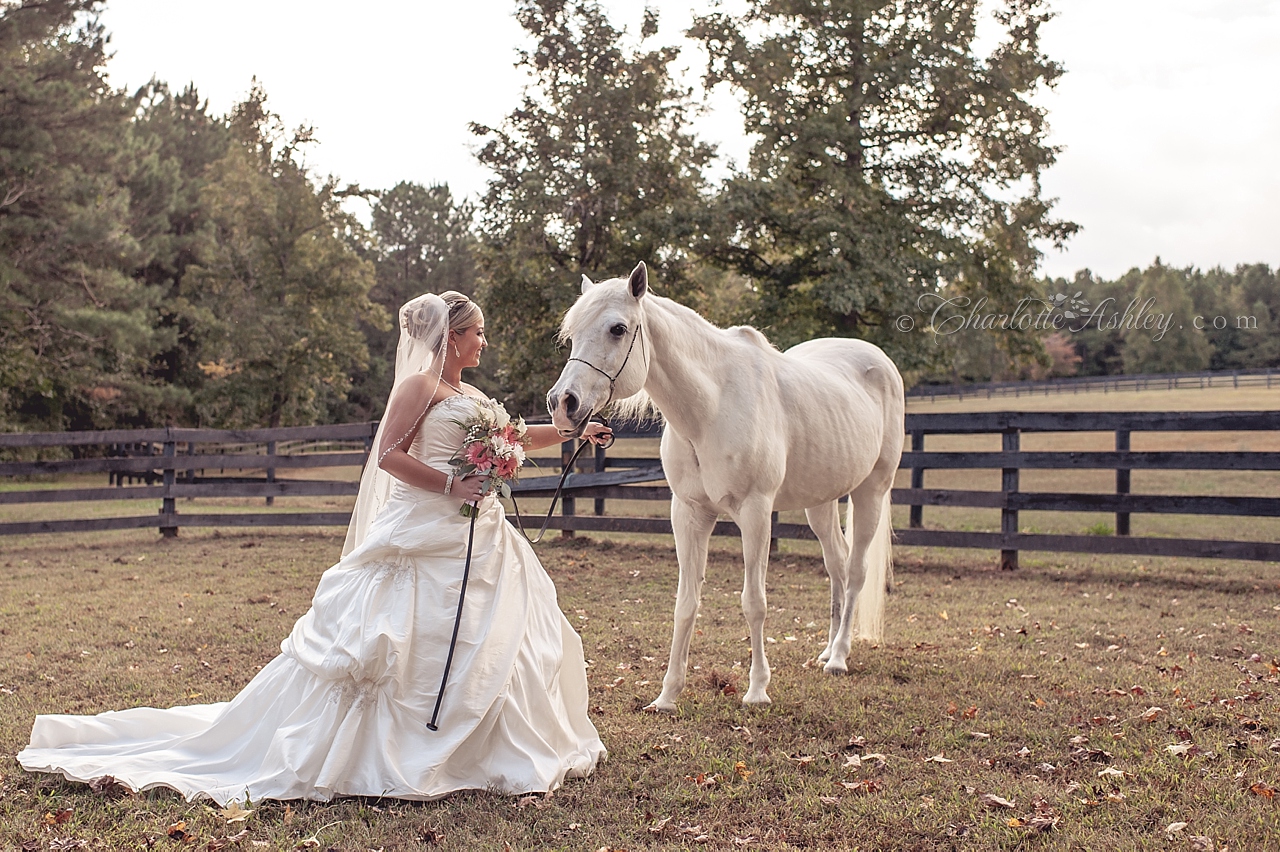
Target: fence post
[917, 480]
[168, 508]
[271, 471]
[1122, 481]
[773, 532]
[600, 466]
[567, 507]
[1009, 443]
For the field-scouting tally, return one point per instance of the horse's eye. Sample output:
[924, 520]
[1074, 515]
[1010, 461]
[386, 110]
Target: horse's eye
[618, 330]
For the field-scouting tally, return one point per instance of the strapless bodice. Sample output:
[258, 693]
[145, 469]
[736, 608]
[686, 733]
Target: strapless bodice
[441, 434]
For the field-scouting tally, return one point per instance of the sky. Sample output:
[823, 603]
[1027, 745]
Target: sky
[1168, 116]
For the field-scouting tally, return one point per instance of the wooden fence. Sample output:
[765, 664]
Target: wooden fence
[202, 463]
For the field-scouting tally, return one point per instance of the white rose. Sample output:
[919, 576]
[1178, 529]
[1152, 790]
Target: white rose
[501, 418]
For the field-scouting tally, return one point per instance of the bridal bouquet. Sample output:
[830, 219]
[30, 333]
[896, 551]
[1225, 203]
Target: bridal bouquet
[493, 447]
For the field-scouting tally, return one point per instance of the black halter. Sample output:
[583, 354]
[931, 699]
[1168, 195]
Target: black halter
[614, 378]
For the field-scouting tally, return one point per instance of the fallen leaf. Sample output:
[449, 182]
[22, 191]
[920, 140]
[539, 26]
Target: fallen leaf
[866, 785]
[1258, 789]
[938, 758]
[234, 813]
[1179, 749]
[991, 800]
[741, 769]
[58, 817]
[660, 827]
[829, 800]
[1201, 843]
[1151, 714]
[1173, 828]
[1043, 823]
[65, 844]
[178, 831]
[1111, 772]
[108, 787]
[539, 802]
[230, 840]
[705, 780]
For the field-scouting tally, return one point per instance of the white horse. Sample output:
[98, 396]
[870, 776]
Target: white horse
[749, 430]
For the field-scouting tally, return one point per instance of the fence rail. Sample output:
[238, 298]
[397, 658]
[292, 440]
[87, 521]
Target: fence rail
[1256, 378]
[174, 458]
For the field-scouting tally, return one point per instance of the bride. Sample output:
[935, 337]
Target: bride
[343, 710]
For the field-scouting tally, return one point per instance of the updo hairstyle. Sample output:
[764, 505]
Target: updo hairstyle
[463, 313]
[420, 322]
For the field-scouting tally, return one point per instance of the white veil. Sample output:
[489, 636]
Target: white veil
[424, 326]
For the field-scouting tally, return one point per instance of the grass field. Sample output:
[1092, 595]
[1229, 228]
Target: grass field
[1103, 701]
[1079, 703]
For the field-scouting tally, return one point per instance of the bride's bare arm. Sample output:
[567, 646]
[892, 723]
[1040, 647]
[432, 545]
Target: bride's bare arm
[544, 435]
[405, 411]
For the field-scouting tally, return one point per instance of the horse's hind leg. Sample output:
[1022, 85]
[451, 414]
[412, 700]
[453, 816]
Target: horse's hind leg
[824, 520]
[692, 526]
[869, 533]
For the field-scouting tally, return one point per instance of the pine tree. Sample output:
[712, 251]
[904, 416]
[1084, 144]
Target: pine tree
[282, 293]
[596, 170]
[77, 332]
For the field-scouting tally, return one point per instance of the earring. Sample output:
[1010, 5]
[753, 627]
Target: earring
[456, 352]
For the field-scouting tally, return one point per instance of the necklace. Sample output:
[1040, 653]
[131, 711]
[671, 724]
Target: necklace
[452, 385]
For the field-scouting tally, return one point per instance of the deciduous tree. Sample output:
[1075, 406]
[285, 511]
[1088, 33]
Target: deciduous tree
[893, 159]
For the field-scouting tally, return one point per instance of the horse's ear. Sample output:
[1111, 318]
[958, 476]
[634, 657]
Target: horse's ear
[639, 280]
[586, 284]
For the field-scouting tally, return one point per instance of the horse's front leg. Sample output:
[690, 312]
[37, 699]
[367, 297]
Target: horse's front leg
[754, 521]
[692, 526]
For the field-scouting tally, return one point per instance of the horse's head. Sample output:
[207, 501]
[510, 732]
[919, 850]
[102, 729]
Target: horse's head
[609, 359]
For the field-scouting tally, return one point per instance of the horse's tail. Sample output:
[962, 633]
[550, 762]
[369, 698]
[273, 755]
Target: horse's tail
[869, 612]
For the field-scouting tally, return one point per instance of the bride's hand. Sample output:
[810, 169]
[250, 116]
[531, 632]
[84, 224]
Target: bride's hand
[469, 489]
[598, 434]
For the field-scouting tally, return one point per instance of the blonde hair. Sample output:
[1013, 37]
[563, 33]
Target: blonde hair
[463, 313]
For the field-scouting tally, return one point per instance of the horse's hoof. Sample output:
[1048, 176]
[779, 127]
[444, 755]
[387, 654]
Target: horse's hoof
[660, 706]
[834, 668]
[754, 696]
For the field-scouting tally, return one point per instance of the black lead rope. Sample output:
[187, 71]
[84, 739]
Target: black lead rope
[457, 621]
[555, 498]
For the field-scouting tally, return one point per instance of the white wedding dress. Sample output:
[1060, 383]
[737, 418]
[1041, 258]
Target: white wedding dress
[343, 710]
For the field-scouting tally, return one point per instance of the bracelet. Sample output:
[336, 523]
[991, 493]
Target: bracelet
[448, 484]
